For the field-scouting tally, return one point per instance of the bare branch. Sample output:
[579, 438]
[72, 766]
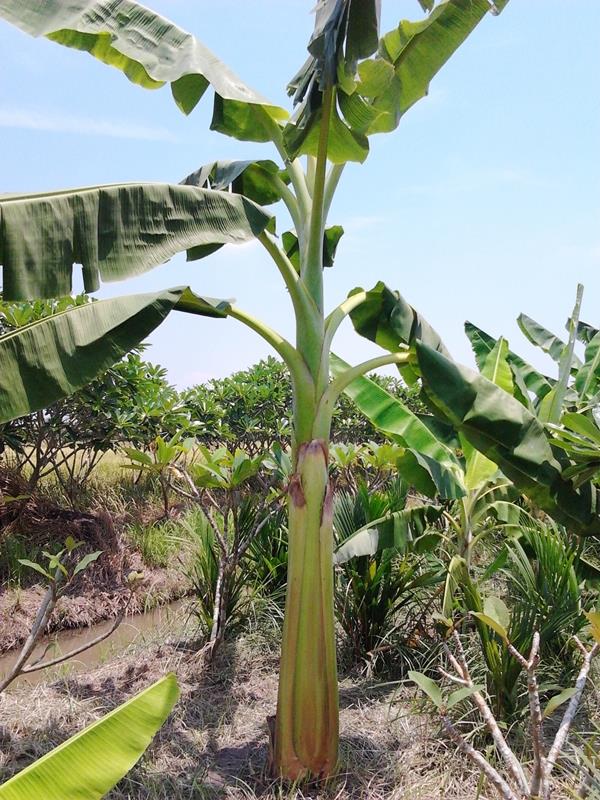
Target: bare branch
[36, 665]
[453, 678]
[509, 758]
[490, 773]
[37, 629]
[569, 715]
[536, 720]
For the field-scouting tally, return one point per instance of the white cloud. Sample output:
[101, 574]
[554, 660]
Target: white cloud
[85, 126]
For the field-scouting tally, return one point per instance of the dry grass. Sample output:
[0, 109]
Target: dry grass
[215, 744]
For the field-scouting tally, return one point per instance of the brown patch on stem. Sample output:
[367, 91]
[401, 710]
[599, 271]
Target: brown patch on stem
[296, 492]
[271, 734]
[316, 446]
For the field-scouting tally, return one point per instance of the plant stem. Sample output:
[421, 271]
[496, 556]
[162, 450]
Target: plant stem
[337, 386]
[306, 725]
[312, 267]
[335, 318]
[281, 345]
[490, 773]
[569, 715]
[333, 178]
[288, 197]
[304, 305]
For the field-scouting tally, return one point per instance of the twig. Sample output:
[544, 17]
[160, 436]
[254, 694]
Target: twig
[39, 626]
[491, 774]
[509, 758]
[536, 721]
[36, 665]
[569, 715]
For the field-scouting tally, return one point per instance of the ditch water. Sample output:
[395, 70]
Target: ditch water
[132, 631]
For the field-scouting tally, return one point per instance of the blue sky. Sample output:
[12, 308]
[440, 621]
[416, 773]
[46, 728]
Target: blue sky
[484, 203]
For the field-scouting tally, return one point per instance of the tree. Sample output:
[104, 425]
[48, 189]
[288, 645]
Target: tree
[252, 408]
[353, 85]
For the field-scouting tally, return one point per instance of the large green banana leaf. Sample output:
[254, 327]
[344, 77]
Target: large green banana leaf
[408, 59]
[496, 370]
[507, 433]
[387, 319]
[429, 463]
[50, 359]
[543, 338]
[526, 377]
[551, 407]
[151, 51]
[372, 93]
[114, 232]
[587, 379]
[89, 764]
[256, 180]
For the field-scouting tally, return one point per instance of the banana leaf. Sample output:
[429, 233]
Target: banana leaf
[526, 377]
[387, 319]
[151, 51]
[413, 54]
[397, 531]
[428, 462]
[89, 764]
[114, 232]
[50, 359]
[256, 180]
[543, 338]
[504, 430]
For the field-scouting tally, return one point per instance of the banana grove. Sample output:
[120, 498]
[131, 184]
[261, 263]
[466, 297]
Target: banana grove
[355, 83]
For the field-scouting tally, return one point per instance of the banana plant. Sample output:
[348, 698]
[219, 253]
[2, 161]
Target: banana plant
[91, 762]
[481, 499]
[576, 386]
[570, 405]
[354, 84]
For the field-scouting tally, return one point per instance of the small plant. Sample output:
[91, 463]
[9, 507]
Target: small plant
[220, 482]
[59, 570]
[161, 462]
[154, 542]
[266, 560]
[221, 597]
[539, 568]
[374, 590]
[517, 785]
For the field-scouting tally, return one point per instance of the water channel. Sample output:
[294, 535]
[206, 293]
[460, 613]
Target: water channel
[134, 630]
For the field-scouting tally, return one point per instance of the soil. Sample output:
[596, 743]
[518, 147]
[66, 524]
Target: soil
[83, 607]
[97, 594]
[214, 745]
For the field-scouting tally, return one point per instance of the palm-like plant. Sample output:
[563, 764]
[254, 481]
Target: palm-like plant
[373, 589]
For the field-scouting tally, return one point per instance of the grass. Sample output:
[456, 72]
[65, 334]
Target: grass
[215, 743]
[153, 542]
